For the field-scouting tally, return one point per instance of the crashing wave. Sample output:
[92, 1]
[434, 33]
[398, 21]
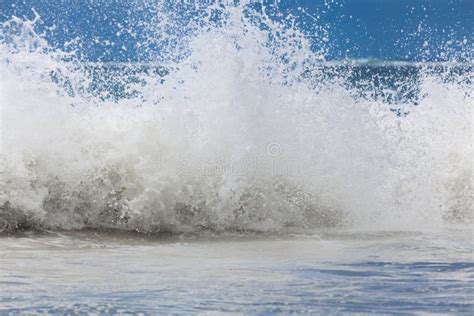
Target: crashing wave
[248, 130]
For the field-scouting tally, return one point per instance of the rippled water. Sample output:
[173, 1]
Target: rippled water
[333, 271]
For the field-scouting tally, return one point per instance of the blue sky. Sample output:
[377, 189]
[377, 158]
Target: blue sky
[379, 29]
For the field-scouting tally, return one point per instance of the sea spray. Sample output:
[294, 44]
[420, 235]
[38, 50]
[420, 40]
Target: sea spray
[237, 125]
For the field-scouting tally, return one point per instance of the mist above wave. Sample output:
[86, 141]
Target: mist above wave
[243, 131]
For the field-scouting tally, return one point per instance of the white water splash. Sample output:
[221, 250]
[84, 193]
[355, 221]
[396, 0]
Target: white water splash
[234, 137]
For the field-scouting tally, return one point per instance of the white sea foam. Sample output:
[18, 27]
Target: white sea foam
[234, 137]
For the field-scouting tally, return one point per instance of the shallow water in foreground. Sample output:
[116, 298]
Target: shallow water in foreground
[331, 271]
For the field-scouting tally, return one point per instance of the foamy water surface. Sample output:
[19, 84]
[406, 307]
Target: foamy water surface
[332, 272]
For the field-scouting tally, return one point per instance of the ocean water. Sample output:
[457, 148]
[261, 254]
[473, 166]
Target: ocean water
[330, 271]
[236, 170]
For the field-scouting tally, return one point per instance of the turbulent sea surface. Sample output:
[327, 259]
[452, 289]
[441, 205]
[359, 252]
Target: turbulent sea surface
[235, 171]
[329, 272]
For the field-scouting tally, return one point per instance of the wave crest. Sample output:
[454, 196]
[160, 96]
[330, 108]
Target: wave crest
[249, 130]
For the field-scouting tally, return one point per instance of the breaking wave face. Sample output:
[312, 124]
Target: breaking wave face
[240, 127]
